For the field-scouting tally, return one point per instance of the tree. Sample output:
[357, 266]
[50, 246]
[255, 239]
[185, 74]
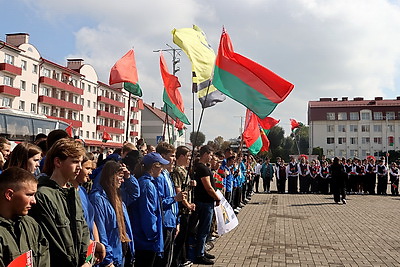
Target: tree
[196, 142]
[276, 136]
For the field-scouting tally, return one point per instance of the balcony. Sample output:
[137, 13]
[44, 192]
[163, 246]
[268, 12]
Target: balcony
[74, 123]
[132, 133]
[110, 101]
[8, 90]
[113, 130]
[135, 109]
[134, 121]
[59, 103]
[60, 85]
[11, 69]
[110, 115]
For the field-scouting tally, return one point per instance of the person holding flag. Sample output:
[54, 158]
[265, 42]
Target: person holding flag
[20, 233]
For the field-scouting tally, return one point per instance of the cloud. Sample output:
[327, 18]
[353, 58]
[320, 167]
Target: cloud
[326, 48]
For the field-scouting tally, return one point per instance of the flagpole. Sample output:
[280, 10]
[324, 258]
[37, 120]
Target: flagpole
[295, 140]
[127, 118]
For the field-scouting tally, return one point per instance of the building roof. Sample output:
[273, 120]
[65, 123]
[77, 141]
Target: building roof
[4, 44]
[158, 112]
[356, 102]
[62, 67]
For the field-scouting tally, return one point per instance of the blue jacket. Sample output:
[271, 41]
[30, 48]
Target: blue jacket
[106, 222]
[167, 193]
[88, 210]
[146, 217]
[228, 180]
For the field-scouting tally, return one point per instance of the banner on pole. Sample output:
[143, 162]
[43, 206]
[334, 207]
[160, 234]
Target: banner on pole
[225, 216]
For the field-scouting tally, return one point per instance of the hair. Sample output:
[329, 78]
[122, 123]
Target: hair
[128, 147]
[87, 156]
[54, 136]
[62, 149]
[109, 184]
[205, 149]
[165, 148]
[21, 153]
[117, 151]
[181, 150]
[43, 145]
[4, 141]
[40, 136]
[13, 177]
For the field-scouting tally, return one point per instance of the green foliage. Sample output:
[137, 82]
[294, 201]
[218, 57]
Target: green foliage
[196, 142]
[318, 151]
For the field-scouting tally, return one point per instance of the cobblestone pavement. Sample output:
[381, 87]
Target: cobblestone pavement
[312, 230]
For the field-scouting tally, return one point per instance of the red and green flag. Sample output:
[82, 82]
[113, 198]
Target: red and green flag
[106, 136]
[246, 81]
[171, 96]
[125, 71]
[24, 260]
[294, 124]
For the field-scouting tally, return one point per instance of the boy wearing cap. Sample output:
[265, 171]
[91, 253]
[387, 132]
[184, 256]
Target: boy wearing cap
[146, 216]
[20, 233]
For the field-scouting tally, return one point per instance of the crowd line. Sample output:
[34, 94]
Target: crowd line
[143, 205]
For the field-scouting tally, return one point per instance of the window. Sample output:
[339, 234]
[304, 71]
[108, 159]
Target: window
[94, 89]
[34, 88]
[94, 120]
[354, 116]
[330, 140]
[8, 81]
[6, 102]
[101, 121]
[365, 140]
[83, 86]
[330, 152]
[330, 116]
[21, 105]
[353, 153]
[46, 72]
[76, 99]
[35, 69]
[342, 116]
[354, 128]
[45, 110]
[88, 103]
[82, 101]
[365, 116]
[377, 140]
[89, 88]
[365, 153]
[33, 107]
[101, 107]
[390, 115]
[353, 140]
[87, 118]
[87, 134]
[377, 128]
[365, 128]
[342, 128]
[81, 132]
[81, 117]
[330, 128]
[9, 59]
[94, 104]
[93, 135]
[74, 116]
[342, 153]
[23, 85]
[45, 91]
[378, 116]
[23, 64]
[341, 140]
[117, 138]
[390, 128]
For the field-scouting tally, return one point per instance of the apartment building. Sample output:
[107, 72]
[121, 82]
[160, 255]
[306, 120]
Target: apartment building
[356, 127]
[71, 93]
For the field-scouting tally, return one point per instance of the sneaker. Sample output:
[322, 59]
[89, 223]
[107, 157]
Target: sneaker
[203, 260]
[235, 211]
[209, 246]
[344, 201]
[209, 256]
[187, 264]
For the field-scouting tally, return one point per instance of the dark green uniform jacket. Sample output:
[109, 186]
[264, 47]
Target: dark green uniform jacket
[19, 236]
[59, 213]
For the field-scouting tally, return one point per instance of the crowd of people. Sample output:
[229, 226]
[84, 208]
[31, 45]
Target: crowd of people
[142, 205]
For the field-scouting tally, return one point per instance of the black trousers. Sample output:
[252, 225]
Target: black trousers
[180, 248]
[256, 182]
[267, 183]
[169, 238]
[144, 258]
[292, 184]
[281, 184]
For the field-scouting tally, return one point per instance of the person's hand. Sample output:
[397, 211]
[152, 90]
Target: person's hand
[100, 252]
[181, 196]
[192, 206]
[217, 202]
[86, 264]
[2, 160]
[178, 228]
[193, 183]
[127, 173]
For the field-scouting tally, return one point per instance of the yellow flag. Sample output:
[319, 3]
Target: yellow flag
[194, 43]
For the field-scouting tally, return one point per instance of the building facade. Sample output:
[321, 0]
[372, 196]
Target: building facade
[72, 93]
[354, 128]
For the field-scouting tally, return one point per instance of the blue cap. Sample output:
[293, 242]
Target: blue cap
[153, 157]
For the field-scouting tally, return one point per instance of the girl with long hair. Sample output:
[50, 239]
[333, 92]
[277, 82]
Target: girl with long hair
[111, 217]
[26, 156]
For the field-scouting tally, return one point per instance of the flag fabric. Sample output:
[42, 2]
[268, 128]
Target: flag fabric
[267, 123]
[218, 181]
[294, 124]
[251, 135]
[171, 96]
[194, 43]
[124, 71]
[265, 141]
[24, 260]
[69, 130]
[90, 254]
[106, 136]
[246, 81]
[180, 126]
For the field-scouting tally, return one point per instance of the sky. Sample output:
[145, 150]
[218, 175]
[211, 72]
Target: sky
[325, 48]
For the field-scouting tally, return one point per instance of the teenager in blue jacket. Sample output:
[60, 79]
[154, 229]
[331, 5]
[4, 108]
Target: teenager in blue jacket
[146, 213]
[111, 217]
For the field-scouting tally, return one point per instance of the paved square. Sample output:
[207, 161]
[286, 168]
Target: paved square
[311, 230]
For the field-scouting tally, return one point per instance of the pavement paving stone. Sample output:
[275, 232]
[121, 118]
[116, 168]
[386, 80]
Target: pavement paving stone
[312, 230]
